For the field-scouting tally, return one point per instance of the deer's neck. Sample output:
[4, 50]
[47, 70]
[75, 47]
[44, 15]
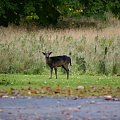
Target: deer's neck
[48, 60]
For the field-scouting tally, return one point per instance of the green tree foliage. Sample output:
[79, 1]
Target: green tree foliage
[46, 12]
[70, 8]
[43, 11]
[114, 7]
[94, 8]
[8, 11]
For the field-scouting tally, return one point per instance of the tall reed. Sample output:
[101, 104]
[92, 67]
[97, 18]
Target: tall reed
[97, 51]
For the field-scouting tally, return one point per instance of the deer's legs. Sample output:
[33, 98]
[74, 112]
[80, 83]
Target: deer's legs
[51, 70]
[55, 72]
[68, 74]
[67, 70]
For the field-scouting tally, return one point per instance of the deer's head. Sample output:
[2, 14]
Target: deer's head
[46, 54]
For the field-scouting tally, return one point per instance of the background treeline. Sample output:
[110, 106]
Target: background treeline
[47, 12]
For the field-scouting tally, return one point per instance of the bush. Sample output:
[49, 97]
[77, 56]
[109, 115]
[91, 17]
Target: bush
[102, 67]
[81, 64]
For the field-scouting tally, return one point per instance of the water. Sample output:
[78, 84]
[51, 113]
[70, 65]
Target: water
[58, 108]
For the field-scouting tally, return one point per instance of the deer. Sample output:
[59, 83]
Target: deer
[57, 61]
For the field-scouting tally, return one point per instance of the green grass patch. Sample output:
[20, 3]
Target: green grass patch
[77, 85]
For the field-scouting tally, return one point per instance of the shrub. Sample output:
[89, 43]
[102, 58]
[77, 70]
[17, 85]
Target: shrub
[81, 64]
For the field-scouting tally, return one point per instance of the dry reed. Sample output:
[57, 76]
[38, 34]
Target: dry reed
[20, 50]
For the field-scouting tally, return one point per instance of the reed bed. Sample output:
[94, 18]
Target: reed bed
[92, 51]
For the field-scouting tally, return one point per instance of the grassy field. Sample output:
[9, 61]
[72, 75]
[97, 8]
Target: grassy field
[77, 85]
[94, 53]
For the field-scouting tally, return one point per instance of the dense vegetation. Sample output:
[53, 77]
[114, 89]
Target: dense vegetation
[46, 12]
[92, 52]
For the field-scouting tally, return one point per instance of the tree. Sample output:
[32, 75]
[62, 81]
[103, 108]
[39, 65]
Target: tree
[114, 7]
[8, 12]
[46, 12]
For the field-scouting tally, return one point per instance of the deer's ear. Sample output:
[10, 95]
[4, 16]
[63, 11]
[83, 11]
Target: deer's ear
[43, 53]
[50, 53]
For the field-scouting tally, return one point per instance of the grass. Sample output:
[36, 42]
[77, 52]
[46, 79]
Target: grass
[77, 85]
